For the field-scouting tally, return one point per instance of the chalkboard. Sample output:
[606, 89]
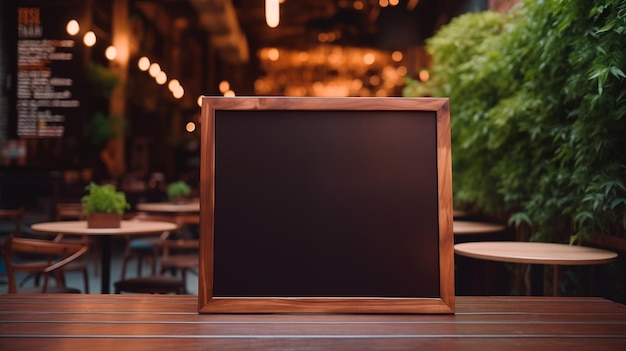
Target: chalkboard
[326, 205]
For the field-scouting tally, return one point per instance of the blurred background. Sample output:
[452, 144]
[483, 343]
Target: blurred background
[79, 73]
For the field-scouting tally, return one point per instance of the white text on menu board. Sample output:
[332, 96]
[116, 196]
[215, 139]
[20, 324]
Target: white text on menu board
[38, 89]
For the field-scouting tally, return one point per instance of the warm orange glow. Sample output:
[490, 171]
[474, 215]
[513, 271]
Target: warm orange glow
[143, 63]
[178, 92]
[154, 69]
[199, 101]
[424, 75]
[273, 54]
[110, 53]
[397, 56]
[358, 5]
[173, 84]
[303, 56]
[89, 39]
[272, 13]
[369, 59]
[224, 86]
[72, 27]
[190, 127]
[161, 78]
[229, 93]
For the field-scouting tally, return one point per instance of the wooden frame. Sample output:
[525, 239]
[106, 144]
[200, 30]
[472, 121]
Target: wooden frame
[443, 303]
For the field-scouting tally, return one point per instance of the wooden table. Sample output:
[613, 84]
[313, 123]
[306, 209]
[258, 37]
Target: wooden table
[105, 235]
[468, 227]
[170, 322]
[169, 207]
[535, 253]
[186, 213]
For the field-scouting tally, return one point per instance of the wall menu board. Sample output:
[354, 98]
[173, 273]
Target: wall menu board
[326, 205]
[49, 68]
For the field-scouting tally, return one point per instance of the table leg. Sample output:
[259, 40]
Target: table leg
[105, 279]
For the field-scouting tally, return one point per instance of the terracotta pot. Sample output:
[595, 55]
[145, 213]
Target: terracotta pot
[104, 220]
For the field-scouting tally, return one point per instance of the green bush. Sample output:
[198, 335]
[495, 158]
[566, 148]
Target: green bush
[538, 108]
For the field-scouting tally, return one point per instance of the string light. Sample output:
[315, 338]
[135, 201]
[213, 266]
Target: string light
[173, 84]
[161, 78]
[190, 127]
[72, 27]
[224, 86]
[154, 69]
[89, 39]
[110, 53]
[143, 63]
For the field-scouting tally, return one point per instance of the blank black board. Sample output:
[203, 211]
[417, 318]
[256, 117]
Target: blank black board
[323, 203]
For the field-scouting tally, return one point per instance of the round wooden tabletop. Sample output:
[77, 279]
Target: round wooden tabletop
[80, 228]
[467, 227]
[534, 253]
[169, 207]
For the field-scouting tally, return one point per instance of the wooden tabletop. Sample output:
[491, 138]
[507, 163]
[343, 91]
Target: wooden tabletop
[80, 228]
[468, 227]
[171, 207]
[534, 253]
[168, 322]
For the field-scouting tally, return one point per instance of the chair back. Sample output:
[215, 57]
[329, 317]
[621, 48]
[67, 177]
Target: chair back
[69, 211]
[141, 216]
[179, 247]
[17, 216]
[46, 258]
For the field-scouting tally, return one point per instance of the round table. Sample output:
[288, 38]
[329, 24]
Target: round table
[170, 207]
[535, 253]
[186, 213]
[105, 235]
[467, 227]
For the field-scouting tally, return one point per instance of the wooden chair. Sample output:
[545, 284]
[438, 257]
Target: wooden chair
[49, 260]
[74, 211]
[177, 255]
[180, 256]
[16, 215]
[145, 247]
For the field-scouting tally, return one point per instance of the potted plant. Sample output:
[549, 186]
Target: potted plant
[178, 191]
[104, 206]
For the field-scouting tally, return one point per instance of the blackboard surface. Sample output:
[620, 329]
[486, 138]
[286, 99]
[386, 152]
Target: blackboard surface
[303, 204]
[325, 204]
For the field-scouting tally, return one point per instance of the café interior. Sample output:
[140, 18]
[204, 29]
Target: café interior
[116, 105]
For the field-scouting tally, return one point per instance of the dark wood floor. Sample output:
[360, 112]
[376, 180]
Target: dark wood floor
[148, 322]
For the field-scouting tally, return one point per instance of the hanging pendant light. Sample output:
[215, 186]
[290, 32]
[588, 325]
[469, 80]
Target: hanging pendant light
[272, 13]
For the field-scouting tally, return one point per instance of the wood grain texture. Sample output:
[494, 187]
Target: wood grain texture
[444, 303]
[535, 253]
[157, 322]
